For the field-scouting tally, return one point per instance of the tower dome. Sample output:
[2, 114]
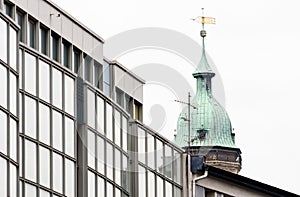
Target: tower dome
[204, 127]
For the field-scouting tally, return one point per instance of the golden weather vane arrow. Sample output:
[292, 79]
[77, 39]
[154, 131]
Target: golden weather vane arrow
[204, 20]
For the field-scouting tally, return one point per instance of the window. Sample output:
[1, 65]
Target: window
[142, 182]
[168, 161]
[100, 115]
[30, 160]
[150, 151]
[3, 133]
[44, 193]
[8, 9]
[57, 88]
[69, 137]
[117, 132]
[120, 97]
[117, 192]
[118, 166]
[141, 145]
[3, 86]
[106, 78]
[169, 191]
[100, 155]
[87, 68]
[91, 185]
[177, 167]
[57, 130]
[44, 81]
[31, 33]
[137, 111]
[159, 186]
[101, 191]
[30, 117]
[159, 155]
[20, 21]
[13, 180]
[97, 75]
[55, 46]
[109, 161]
[3, 40]
[109, 190]
[129, 104]
[109, 132]
[91, 108]
[69, 95]
[124, 133]
[44, 167]
[13, 139]
[13, 48]
[69, 178]
[76, 60]
[66, 54]
[57, 173]
[177, 192]
[3, 177]
[151, 184]
[44, 40]
[125, 177]
[30, 73]
[91, 149]
[30, 190]
[13, 93]
[44, 124]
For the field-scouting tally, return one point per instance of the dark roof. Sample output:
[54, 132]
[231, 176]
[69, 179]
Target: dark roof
[247, 182]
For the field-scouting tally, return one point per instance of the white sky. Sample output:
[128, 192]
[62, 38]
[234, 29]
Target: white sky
[255, 46]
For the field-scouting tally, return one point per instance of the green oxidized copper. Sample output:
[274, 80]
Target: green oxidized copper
[210, 124]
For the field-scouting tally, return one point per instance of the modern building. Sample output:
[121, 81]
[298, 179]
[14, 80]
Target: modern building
[71, 119]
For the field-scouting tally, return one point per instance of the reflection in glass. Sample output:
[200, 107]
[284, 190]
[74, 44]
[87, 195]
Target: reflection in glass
[44, 81]
[3, 133]
[168, 161]
[142, 182]
[150, 151]
[69, 95]
[109, 132]
[91, 149]
[13, 139]
[141, 145]
[13, 180]
[109, 161]
[30, 117]
[57, 173]
[177, 167]
[13, 48]
[30, 73]
[125, 173]
[57, 88]
[124, 133]
[91, 184]
[30, 190]
[13, 93]
[44, 167]
[101, 185]
[100, 114]
[117, 132]
[100, 155]
[159, 155]
[70, 177]
[3, 177]
[69, 137]
[151, 184]
[118, 166]
[44, 124]
[3, 86]
[91, 108]
[30, 160]
[3, 41]
[57, 130]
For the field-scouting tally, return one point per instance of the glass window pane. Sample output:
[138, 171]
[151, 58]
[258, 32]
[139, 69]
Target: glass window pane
[109, 161]
[159, 155]
[117, 192]
[177, 192]
[109, 132]
[43, 40]
[44, 81]
[125, 172]
[118, 166]
[151, 184]
[101, 191]
[87, 68]
[66, 54]
[21, 157]
[55, 47]
[13, 48]
[30, 73]
[70, 177]
[3, 40]
[141, 145]
[69, 95]
[177, 167]
[142, 182]
[91, 149]
[169, 191]
[124, 134]
[57, 173]
[44, 167]
[160, 186]
[13, 139]
[100, 115]
[69, 137]
[168, 161]
[44, 193]
[30, 160]
[91, 185]
[57, 88]
[30, 191]
[13, 181]
[20, 21]
[106, 72]
[91, 108]
[109, 190]
[97, 75]
[21, 69]
[150, 151]
[3, 177]
[100, 155]
[3, 133]
[44, 124]
[31, 33]
[3, 86]
[106, 89]
[30, 117]
[13, 93]
[57, 130]
[76, 61]
[117, 132]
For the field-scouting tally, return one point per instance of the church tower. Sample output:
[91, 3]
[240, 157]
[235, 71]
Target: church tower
[204, 127]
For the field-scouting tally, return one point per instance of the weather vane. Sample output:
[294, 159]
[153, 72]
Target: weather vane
[204, 20]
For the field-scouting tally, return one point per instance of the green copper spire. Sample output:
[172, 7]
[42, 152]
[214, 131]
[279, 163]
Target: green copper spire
[209, 122]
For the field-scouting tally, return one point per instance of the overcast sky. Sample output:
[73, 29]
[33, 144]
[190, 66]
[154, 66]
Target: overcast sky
[255, 47]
